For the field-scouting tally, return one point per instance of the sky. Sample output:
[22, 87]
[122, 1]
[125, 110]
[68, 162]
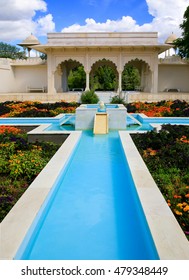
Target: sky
[20, 18]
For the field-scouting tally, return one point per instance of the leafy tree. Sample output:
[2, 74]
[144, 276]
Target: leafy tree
[183, 43]
[104, 78]
[130, 78]
[77, 78]
[9, 51]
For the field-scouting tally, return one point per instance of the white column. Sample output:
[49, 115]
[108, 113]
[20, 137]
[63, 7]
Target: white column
[155, 77]
[59, 79]
[87, 81]
[64, 78]
[53, 90]
[51, 73]
[143, 77]
[120, 84]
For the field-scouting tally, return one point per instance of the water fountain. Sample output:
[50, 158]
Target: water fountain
[85, 115]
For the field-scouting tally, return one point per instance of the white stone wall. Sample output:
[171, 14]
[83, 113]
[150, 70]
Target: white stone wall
[7, 78]
[30, 76]
[15, 77]
[173, 76]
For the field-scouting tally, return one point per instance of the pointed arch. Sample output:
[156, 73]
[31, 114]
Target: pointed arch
[104, 63]
[63, 70]
[144, 71]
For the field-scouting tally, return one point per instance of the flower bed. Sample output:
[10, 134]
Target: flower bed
[20, 163]
[35, 109]
[166, 155]
[175, 108]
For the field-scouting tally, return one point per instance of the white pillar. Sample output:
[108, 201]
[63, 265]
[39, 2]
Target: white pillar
[59, 79]
[51, 73]
[120, 84]
[87, 81]
[155, 77]
[143, 77]
[52, 83]
[64, 78]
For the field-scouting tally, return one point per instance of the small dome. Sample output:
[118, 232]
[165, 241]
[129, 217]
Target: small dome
[29, 41]
[170, 40]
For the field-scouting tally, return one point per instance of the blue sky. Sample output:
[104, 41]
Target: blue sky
[76, 11]
[42, 16]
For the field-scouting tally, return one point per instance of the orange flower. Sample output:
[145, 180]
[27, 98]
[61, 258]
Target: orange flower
[187, 195]
[9, 129]
[186, 208]
[177, 196]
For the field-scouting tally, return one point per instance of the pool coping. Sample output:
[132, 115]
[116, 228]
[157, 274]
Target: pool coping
[169, 238]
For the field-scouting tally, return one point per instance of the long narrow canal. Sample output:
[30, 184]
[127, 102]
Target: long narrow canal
[95, 213]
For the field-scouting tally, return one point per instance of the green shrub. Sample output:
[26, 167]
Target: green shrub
[117, 100]
[89, 97]
[26, 164]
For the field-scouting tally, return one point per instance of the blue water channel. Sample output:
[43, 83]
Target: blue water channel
[94, 212]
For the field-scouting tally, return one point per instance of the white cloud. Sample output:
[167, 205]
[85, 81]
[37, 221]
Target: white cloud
[171, 8]
[17, 19]
[45, 24]
[167, 16]
[124, 24]
[20, 9]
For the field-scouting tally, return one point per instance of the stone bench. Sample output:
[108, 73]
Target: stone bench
[77, 89]
[172, 90]
[36, 89]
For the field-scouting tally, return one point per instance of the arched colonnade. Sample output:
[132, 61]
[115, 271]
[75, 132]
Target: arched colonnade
[60, 64]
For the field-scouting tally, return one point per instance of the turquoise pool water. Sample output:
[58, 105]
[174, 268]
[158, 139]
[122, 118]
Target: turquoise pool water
[69, 125]
[110, 106]
[67, 122]
[94, 212]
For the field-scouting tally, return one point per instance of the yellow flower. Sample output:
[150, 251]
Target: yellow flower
[177, 212]
[180, 205]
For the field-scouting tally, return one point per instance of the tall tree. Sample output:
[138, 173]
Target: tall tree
[130, 78]
[104, 78]
[183, 43]
[77, 78]
[9, 51]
